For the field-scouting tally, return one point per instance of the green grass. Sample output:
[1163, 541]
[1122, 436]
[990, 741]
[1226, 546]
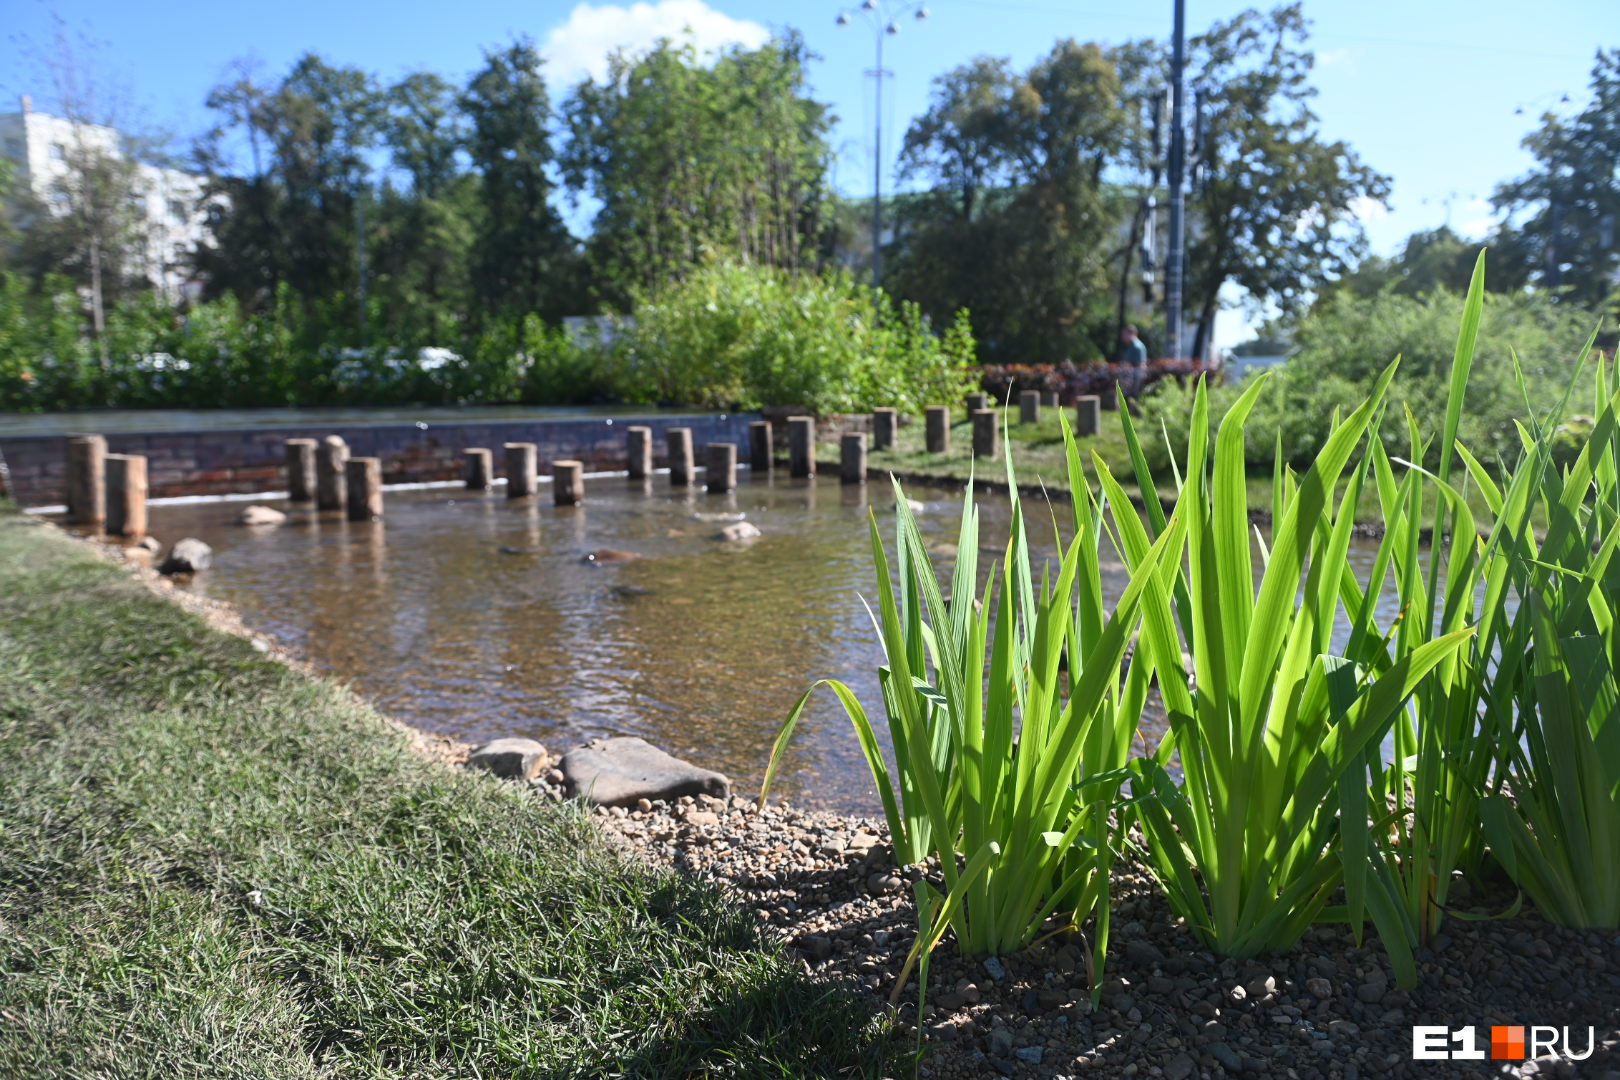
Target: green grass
[212, 865]
[1038, 450]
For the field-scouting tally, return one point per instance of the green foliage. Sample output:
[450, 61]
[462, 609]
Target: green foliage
[1569, 238]
[1245, 845]
[736, 336]
[1341, 347]
[692, 159]
[1555, 823]
[1008, 765]
[1274, 198]
[1017, 222]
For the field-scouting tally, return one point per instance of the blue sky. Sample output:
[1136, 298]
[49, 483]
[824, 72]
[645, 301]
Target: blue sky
[1426, 92]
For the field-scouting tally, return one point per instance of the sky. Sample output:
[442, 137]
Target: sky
[1436, 94]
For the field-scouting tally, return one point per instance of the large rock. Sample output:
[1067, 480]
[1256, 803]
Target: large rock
[260, 515]
[742, 530]
[619, 771]
[187, 557]
[609, 555]
[511, 759]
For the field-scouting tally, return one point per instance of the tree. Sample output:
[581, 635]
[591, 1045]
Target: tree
[298, 221]
[1275, 209]
[1572, 196]
[524, 254]
[1430, 261]
[1018, 224]
[690, 161]
[87, 224]
[425, 233]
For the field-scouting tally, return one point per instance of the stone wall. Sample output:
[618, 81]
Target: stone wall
[227, 462]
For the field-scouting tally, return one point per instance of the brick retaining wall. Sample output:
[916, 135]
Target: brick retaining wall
[227, 462]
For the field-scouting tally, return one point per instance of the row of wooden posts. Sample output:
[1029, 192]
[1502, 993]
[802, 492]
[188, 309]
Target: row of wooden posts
[108, 491]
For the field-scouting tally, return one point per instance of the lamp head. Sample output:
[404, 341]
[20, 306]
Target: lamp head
[922, 13]
[892, 28]
[843, 18]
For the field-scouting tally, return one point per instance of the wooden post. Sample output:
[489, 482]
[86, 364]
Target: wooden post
[986, 436]
[884, 424]
[801, 446]
[761, 454]
[1087, 414]
[1049, 399]
[720, 467]
[938, 419]
[363, 476]
[567, 482]
[126, 494]
[479, 469]
[1110, 400]
[300, 470]
[331, 458]
[1029, 407]
[87, 480]
[638, 445]
[975, 402]
[678, 440]
[852, 457]
[521, 462]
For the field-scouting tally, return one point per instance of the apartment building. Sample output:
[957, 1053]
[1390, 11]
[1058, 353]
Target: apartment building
[168, 203]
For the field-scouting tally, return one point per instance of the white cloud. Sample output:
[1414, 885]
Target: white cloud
[1337, 58]
[1364, 209]
[581, 45]
[1474, 217]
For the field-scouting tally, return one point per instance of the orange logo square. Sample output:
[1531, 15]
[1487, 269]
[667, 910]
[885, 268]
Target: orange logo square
[1508, 1043]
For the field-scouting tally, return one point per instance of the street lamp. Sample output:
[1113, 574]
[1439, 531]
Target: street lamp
[885, 21]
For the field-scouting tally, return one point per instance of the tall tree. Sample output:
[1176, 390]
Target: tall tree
[524, 255]
[1275, 210]
[297, 222]
[688, 160]
[1571, 199]
[1018, 223]
[425, 231]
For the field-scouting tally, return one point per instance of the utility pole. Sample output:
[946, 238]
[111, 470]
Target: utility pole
[885, 21]
[1178, 155]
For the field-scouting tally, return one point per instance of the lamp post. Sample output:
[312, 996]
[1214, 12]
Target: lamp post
[885, 20]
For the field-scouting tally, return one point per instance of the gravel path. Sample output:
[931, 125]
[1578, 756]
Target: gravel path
[1169, 1008]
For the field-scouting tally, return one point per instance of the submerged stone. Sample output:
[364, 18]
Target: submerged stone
[187, 557]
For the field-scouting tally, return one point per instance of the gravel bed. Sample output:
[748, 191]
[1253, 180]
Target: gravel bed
[1169, 1008]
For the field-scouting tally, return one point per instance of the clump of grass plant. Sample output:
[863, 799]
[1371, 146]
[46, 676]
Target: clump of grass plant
[1271, 727]
[1003, 777]
[212, 865]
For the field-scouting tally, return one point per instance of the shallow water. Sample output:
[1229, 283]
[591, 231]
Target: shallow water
[476, 615]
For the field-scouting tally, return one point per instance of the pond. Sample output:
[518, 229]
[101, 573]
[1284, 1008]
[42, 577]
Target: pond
[477, 615]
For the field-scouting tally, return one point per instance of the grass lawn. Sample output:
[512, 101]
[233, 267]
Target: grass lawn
[1038, 455]
[213, 865]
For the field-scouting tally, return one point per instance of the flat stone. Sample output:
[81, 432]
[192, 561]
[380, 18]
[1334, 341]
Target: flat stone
[609, 555]
[1178, 1068]
[187, 557]
[511, 759]
[260, 515]
[619, 771]
[742, 530]
[151, 544]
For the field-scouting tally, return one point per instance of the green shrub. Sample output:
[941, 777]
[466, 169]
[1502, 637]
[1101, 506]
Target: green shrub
[736, 336]
[1342, 347]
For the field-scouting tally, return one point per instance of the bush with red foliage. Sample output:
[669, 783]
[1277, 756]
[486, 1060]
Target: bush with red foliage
[1004, 381]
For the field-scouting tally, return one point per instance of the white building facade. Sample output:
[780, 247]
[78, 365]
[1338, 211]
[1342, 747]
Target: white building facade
[169, 205]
